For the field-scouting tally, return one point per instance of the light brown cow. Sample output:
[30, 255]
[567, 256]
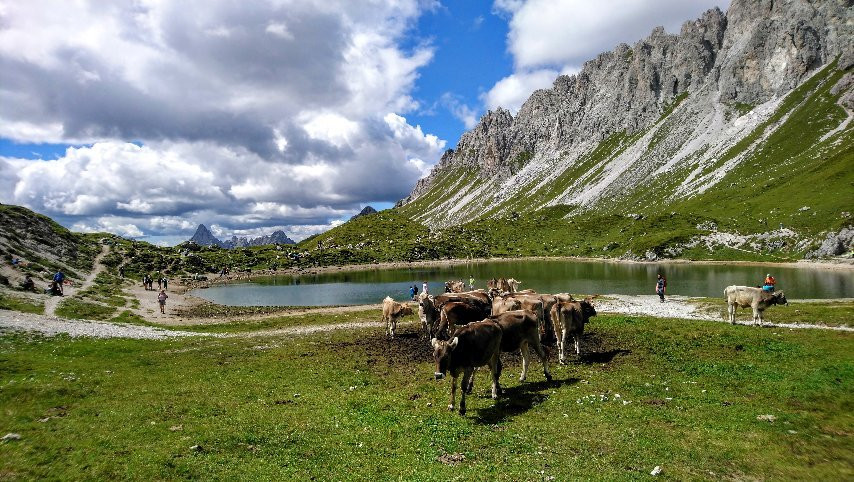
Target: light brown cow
[392, 310]
[431, 309]
[569, 318]
[756, 298]
[454, 286]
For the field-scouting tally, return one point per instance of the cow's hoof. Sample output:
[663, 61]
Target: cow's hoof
[521, 379]
[548, 377]
[462, 412]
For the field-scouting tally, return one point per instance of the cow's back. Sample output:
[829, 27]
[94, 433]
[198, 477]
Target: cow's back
[477, 344]
[516, 326]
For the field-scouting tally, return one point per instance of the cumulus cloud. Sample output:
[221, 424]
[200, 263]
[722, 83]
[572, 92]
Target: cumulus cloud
[551, 37]
[569, 32]
[465, 114]
[250, 116]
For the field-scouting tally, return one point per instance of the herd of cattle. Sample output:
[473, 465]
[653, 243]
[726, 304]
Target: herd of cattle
[469, 329]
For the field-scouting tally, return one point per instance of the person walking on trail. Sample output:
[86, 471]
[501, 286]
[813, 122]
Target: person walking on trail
[660, 286]
[59, 279]
[161, 300]
[160, 282]
[165, 283]
[769, 283]
[471, 283]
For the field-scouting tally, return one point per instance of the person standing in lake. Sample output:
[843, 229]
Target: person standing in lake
[660, 286]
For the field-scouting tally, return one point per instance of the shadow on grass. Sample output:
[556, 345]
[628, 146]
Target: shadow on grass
[519, 399]
[601, 357]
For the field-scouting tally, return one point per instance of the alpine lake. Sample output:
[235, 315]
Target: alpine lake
[370, 286]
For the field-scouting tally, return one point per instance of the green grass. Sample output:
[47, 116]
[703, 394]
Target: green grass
[350, 405]
[236, 325]
[78, 309]
[9, 302]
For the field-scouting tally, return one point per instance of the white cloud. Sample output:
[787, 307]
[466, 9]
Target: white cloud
[250, 115]
[465, 114]
[512, 91]
[569, 32]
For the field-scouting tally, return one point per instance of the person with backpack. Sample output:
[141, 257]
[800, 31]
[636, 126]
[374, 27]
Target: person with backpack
[161, 300]
[769, 283]
[660, 287]
[59, 278]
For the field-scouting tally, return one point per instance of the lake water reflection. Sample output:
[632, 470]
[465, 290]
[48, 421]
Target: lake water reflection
[545, 276]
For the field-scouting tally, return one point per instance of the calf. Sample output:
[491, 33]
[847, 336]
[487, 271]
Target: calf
[474, 345]
[756, 298]
[569, 318]
[519, 331]
[392, 310]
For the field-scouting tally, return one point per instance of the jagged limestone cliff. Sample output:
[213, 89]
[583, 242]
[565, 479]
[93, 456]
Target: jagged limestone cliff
[739, 117]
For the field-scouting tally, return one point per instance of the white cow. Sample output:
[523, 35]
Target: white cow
[756, 298]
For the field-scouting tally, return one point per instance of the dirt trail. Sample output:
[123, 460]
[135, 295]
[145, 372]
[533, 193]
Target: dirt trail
[52, 302]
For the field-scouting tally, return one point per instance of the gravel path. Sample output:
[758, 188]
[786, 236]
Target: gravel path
[644, 305]
[52, 302]
[681, 307]
[52, 325]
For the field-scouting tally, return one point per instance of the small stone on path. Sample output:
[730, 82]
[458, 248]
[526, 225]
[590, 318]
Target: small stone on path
[656, 470]
[766, 418]
[11, 436]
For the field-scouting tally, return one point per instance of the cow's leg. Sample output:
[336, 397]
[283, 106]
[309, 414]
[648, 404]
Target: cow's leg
[731, 311]
[454, 392]
[495, 370]
[563, 342]
[759, 314]
[541, 352]
[393, 326]
[467, 375]
[469, 387]
[526, 359]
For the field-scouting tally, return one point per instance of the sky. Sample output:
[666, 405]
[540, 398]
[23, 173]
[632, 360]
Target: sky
[146, 118]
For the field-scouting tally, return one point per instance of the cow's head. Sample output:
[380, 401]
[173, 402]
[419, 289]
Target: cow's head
[587, 308]
[780, 298]
[442, 355]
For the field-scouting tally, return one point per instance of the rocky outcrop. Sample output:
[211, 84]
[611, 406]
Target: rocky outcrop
[718, 67]
[835, 244]
[203, 237]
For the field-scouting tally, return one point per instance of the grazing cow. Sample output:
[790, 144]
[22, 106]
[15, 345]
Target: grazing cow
[756, 298]
[520, 332]
[569, 318]
[474, 345]
[456, 286]
[392, 310]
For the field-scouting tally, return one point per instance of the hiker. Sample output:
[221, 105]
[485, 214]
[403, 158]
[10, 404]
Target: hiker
[471, 283]
[54, 289]
[121, 272]
[425, 288]
[769, 283]
[161, 300]
[165, 283]
[59, 278]
[660, 286]
[412, 292]
[160, 282]
[28, 284]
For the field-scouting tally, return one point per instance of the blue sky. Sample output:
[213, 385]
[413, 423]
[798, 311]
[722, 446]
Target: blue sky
[137, 119]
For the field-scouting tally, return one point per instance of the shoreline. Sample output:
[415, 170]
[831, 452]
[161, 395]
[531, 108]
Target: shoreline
[846, 264]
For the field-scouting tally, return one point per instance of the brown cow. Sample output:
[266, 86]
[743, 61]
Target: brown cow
[569, 318]
[457, 313]
[454, 286]
[392, 310]
[520, 332]
[474, 345]
[431, 307]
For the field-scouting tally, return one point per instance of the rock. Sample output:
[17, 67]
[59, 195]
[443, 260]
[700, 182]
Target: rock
[11, 436]
[835, 244]
[656, 470]
[196, 448]
[766, 418]
[176, 428]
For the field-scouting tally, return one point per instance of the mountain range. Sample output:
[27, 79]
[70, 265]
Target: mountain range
[742, 119]
[204, 237]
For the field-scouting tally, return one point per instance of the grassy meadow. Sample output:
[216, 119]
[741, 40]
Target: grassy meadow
[352, 405]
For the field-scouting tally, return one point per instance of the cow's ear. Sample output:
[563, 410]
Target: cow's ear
[453, 343]
[434, 342]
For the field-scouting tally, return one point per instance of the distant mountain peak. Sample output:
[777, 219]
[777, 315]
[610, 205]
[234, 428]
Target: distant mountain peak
[364, 212]
[204, 237]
